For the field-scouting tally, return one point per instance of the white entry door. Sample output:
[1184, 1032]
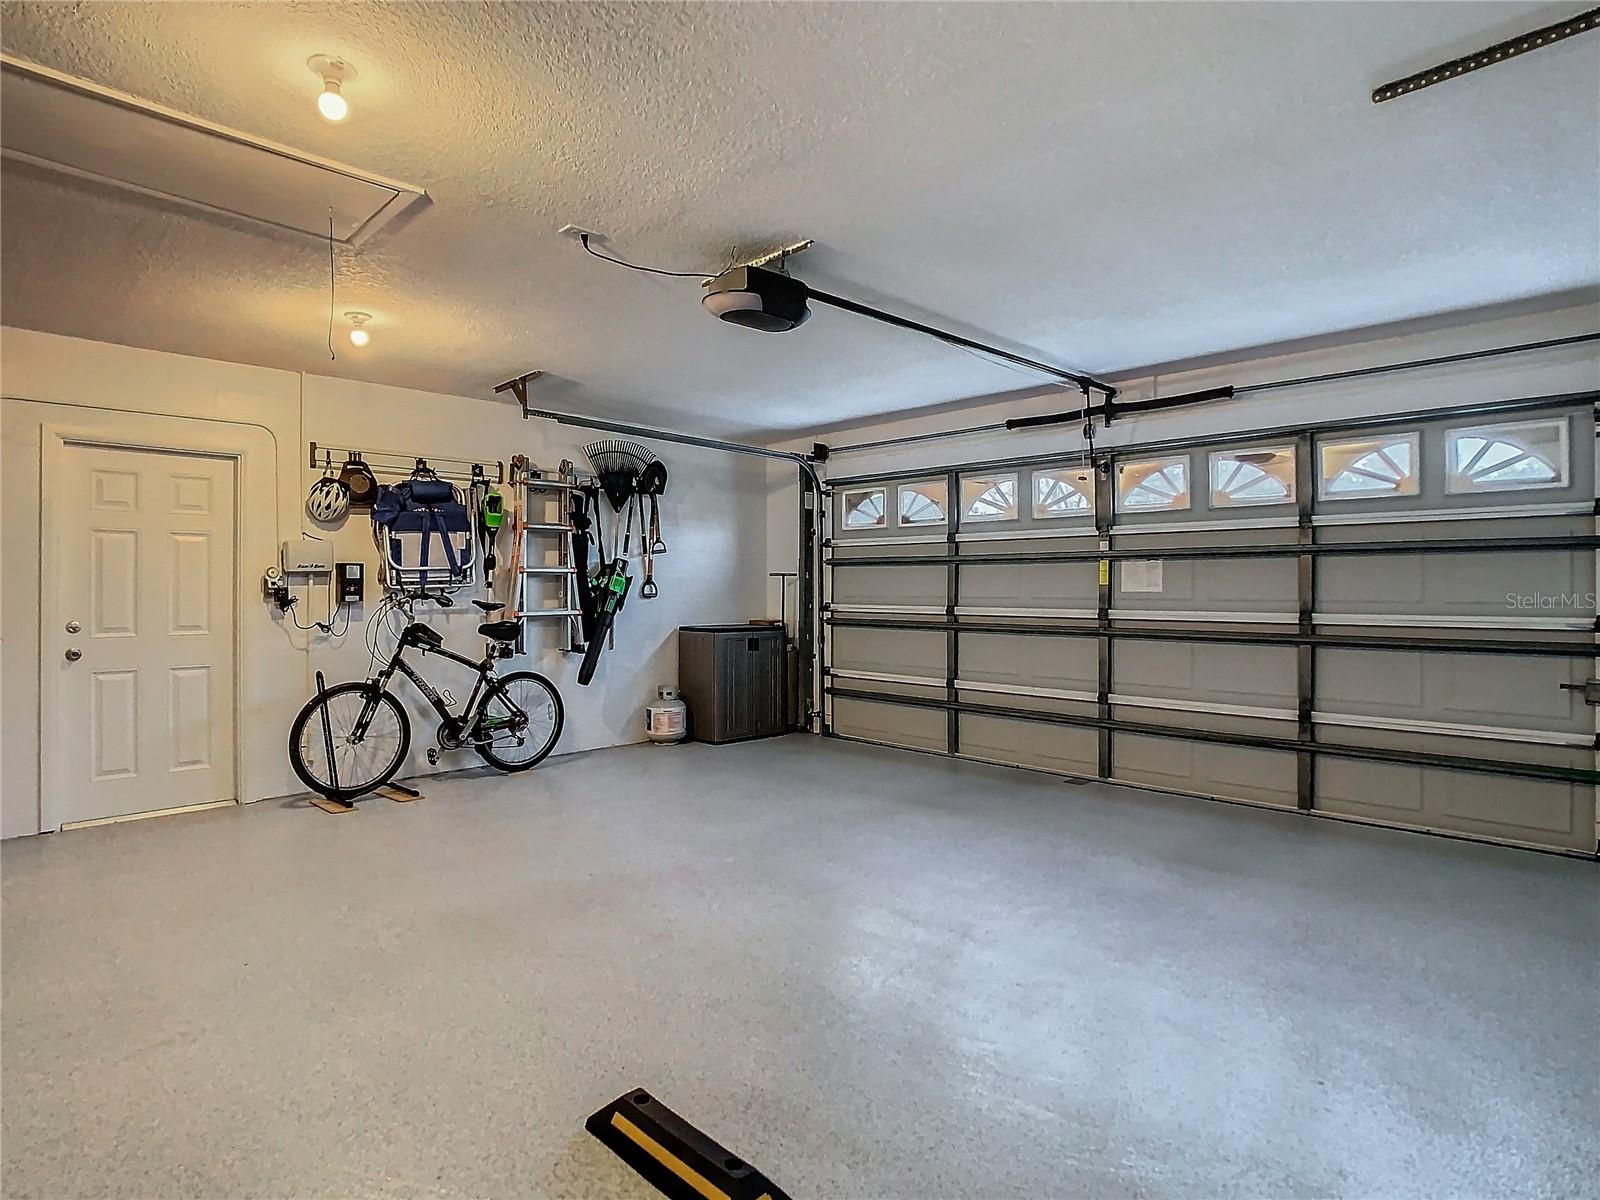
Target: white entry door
[138, 638]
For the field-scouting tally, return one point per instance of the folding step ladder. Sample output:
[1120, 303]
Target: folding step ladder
[538, 494]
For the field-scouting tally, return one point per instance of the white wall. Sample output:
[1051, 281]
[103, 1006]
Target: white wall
[251, 410]
[1568, 369]
[713, 521]
[714, 518]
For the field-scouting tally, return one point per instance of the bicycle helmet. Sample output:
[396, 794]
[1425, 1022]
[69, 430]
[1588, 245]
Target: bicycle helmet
[328, 500]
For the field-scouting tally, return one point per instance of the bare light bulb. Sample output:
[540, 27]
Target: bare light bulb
[358, 336]
[334, 73]
[331, 104]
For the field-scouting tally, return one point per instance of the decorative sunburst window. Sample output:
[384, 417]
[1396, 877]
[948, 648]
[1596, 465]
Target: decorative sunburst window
[1257, 475]
[1368, 468]
[988, 498]
[1512, 457]
[864, 509]
[1063, 492]
[923, 503]
[1153, 485]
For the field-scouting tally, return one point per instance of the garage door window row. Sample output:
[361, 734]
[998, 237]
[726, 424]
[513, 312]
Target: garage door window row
[1510, 456]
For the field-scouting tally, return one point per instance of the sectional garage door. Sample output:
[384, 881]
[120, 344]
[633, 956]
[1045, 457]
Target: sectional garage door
[1391, 622]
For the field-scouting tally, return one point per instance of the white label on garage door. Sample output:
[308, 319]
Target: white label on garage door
[1141, 575]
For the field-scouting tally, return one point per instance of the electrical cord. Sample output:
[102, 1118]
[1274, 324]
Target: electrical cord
[331, 625]
[333, 617]
[583, 238]
[332, 357]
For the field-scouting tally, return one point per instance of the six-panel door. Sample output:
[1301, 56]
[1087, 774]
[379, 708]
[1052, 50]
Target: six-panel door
[139, 633]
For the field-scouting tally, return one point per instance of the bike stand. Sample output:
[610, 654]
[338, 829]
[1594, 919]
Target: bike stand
[329, 805]
[397, 792]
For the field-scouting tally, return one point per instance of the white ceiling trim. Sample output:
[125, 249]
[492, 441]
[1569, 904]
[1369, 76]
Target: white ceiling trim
[274, 184]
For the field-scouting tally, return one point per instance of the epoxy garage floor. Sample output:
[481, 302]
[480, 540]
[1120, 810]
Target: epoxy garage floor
[871, 973]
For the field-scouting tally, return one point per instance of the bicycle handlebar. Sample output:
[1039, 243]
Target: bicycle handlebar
[439, 598]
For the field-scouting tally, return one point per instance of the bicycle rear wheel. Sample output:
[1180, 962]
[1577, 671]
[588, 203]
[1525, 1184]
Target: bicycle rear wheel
[356, 767]
[520, 722]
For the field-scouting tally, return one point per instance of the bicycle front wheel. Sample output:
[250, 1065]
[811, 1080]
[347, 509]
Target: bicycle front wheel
[520, 722]
[338, 756]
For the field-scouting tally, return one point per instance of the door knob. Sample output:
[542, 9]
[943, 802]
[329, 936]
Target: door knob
[73, 654]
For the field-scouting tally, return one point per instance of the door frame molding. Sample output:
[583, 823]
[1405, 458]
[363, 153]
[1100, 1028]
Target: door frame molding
[151, 434]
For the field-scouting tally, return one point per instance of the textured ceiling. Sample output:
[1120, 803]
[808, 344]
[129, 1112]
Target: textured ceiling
[1108, 185]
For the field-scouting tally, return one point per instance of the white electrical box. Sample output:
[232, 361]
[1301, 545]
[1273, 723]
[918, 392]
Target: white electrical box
[308, 556]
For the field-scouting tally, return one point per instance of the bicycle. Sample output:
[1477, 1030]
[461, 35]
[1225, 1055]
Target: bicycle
[353, 737]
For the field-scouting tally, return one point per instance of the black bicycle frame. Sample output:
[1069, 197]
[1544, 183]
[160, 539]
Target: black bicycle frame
[484, 669]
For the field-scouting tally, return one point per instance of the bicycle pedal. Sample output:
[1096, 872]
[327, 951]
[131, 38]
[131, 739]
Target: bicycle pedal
[433, 757]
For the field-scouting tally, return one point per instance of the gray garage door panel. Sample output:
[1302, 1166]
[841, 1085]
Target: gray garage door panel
[1506, 710]
[1518, 810]
[1029, 585]
[1251, 676]
[1459, 585]
[1154, 538]
[1031, 704]
[1261, 585]
[1176, 716]
[1046, 747]
[1467, 689]
[1233, 772]
[1071, 664]
[889, 651]
[898, 586]
[1526, 750]
[892, 723]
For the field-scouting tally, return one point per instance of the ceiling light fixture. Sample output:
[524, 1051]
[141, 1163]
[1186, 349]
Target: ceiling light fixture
[358, 335]
[334, 73]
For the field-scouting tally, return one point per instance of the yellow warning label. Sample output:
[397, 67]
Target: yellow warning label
[1105, 571]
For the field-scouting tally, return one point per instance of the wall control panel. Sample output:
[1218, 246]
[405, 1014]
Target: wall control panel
[351, 580]
[308, 556]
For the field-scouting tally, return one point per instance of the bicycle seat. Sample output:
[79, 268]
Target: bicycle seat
[501, 631]
[488, 606]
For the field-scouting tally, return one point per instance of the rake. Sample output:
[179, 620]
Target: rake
[619, 465]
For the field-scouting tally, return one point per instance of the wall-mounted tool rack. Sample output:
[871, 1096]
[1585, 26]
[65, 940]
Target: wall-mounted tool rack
[393, 463]
[809, 629]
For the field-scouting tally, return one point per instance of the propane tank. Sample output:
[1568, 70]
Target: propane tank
[666, 718]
